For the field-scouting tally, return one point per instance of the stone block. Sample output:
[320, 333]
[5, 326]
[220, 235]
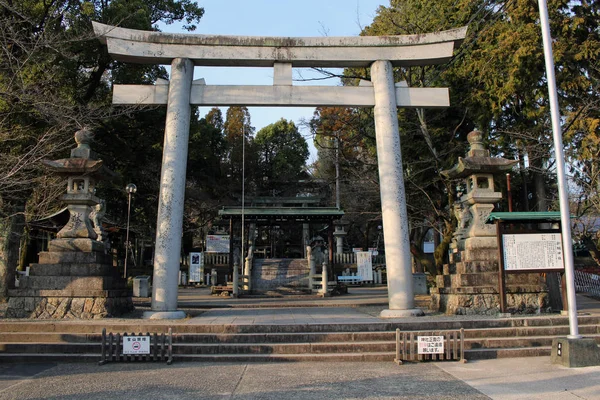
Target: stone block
[72, 257]
[574, 353]
[478, 302]
[77, 306]
[471, 267]
[93, 269]
[68, 307]
[76, 283]
[482, 243]
[481, 279]
[419, 283]
[447, 269]
[442, 281]
[485, 254]
[78, 245]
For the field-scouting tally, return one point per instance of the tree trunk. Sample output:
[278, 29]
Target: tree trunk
[525, 188]
[541, 202]
[441, 251]
[11, 230]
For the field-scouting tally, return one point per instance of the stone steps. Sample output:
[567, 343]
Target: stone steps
[484, 338]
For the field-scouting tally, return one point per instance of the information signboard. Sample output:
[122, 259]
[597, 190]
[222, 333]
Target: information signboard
[532, 251]
[430, 344]
[196, 267]
[217, 243]
[136, 344]
[364, 263]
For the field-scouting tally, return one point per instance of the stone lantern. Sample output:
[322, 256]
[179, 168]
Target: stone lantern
[82, 170]
[339, 233]
[469, 283]
[75, 278]
[477, 170]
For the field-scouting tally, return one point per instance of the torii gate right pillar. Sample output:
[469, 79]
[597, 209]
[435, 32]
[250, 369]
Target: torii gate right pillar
[393, 199]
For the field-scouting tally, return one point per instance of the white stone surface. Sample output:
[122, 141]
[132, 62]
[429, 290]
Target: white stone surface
[527, 378]
[236, 280]
[131, 45]
[169, 222]
[324, 280]
[393, 198]
[283, 74]
[279, 96]
[164, 315]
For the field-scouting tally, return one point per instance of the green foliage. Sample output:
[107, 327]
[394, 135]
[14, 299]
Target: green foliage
[282, 154]
[55, 78]
[497, 84]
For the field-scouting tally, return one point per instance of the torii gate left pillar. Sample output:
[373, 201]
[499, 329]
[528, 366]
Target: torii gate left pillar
[169, 221]
[184, 51]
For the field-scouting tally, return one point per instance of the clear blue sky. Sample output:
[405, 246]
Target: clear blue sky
[277, 18]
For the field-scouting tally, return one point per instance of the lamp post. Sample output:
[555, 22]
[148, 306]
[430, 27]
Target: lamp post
[130, 189]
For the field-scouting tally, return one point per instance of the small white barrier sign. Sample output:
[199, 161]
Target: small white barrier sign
[136, 344]
[430, 344]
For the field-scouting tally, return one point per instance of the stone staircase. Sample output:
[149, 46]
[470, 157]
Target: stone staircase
[484, 339]
[280, 276]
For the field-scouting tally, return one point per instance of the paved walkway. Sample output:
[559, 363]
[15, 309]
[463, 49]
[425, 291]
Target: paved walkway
[504, 379]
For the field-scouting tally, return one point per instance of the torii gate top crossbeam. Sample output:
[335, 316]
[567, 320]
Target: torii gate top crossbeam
[147, 47]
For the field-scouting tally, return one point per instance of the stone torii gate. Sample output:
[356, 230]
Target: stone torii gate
[184, 51]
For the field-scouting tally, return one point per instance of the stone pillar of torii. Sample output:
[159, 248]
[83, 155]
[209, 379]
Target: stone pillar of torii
[184, 51]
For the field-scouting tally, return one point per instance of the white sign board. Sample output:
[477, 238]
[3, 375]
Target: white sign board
[196, 267]
[430, 344]
[532, 251]
[136, 344]
[364, 264]
[217, 243]
[428, 247]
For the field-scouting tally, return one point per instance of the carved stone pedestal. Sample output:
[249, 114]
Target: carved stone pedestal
[470, 287]
[74, 279]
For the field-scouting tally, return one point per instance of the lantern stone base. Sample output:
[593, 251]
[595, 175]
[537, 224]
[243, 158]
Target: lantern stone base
[471, 287]
[74, 279]
[473, 302]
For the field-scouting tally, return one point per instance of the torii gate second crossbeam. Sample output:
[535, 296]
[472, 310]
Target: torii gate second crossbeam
[184, 51]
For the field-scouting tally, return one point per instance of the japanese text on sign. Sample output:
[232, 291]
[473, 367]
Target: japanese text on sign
[364, 263]
[532, 251]
[136, 344]
[430, 344]
[196, 267]
[217, 243]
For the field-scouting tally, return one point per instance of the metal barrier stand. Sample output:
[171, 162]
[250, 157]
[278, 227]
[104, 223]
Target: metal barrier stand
[407, 346]
[161, 347]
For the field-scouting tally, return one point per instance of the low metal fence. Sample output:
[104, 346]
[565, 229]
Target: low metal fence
[430, 345]
[160, 347]
[587, 283]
